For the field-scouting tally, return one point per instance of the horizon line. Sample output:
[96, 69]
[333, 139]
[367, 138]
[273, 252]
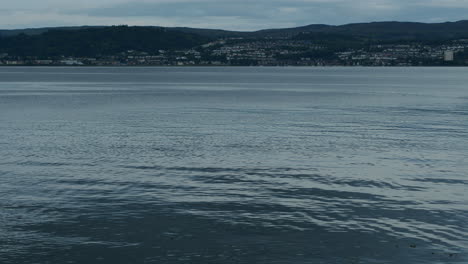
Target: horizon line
[246, 31]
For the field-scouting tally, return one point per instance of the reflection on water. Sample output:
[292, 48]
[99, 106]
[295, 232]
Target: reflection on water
[233, 165]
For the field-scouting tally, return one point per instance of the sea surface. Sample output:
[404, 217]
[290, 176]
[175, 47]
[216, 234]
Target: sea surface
[233, 165]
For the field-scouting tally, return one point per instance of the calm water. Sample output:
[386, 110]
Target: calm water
[233, 165]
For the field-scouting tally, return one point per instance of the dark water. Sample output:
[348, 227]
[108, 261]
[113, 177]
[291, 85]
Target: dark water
[233, 165]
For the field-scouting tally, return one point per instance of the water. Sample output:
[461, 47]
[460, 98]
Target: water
[233, 165]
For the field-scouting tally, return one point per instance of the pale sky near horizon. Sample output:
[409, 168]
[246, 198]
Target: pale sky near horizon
[224, 14]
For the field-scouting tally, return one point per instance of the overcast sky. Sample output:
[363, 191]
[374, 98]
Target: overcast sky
[225, 14]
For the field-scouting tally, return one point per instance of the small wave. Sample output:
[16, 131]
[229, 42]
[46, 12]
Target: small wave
[44, 164]
[209, 169]
[441, 180]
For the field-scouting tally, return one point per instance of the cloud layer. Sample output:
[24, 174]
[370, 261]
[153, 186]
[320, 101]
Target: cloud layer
[226, 14]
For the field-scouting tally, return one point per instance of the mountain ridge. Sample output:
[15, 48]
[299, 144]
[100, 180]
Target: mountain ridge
[378, 29]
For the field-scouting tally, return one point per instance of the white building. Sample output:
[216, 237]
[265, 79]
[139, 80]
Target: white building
[71, 62]
[448, 55]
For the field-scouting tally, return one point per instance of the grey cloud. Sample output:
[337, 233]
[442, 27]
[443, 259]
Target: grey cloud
[245, 14]
[294, 11]
[298, 12]
[189, 9]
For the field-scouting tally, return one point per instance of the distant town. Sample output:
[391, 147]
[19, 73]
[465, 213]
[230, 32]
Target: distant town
[270, 52]
[148, 46]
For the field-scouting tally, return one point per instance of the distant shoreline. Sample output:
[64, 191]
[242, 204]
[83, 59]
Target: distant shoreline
[228, 66]
[373, 44]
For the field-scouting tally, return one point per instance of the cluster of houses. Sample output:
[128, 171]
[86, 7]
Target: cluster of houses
[266, 52]
[263, 52]
[403, 55]
[288, 52]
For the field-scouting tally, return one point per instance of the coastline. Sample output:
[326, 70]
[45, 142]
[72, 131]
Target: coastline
[230, 66]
